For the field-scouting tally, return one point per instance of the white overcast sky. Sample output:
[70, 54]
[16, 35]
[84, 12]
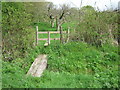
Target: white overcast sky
[99, 3]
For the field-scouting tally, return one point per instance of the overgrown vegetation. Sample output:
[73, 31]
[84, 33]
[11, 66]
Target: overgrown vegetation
[73, 65]
[89, 60]
[18, 36]
[97, 28]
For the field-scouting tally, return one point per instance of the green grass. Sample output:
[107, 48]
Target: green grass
[46, 36]
[43, 26]
[71, 65]
[72, 25]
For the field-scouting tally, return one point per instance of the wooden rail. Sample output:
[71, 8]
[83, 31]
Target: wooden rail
[42, 39]
[51, 32]
[44, 32]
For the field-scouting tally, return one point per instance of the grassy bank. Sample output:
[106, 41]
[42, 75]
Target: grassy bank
[72, 65]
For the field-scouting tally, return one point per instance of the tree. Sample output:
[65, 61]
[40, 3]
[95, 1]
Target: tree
[63, 11]
[51, 13]
[57, 14]
[18, 36]
[38, 11]
[96, 27]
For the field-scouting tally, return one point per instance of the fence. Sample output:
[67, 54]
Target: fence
[51, 32]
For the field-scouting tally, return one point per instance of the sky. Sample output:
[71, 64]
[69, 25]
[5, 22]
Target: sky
[101, 4]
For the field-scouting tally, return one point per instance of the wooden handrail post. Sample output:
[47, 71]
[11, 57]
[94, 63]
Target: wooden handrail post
[68, 31]
[48, 37]
[36, 35]
[61, 36]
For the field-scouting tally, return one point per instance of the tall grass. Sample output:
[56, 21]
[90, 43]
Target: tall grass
[71, 65]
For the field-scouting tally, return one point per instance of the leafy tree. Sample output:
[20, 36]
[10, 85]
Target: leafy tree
[63, 12]
[58, 14]
[51, 13]
[96, 27]
[38, 11]
[18, 36]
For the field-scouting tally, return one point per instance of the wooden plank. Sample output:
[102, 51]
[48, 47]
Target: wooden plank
[63, 31]
[38, 66]
[42, 32]
[51, 32]
[43, 39]
[57, 31]
[54, 32]
[50, 39]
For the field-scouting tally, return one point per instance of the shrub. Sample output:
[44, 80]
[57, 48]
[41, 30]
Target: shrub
[18, 36]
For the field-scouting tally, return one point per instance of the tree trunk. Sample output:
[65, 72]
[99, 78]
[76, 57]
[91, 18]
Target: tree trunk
[50, 22]
[56, 24]
[53, 23]
[58, 27]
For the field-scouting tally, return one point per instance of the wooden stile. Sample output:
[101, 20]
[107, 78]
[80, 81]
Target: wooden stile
[61, 32]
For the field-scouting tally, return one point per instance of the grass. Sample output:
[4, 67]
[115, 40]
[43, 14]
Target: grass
[46, 36]
[70, 65]
[47, 27]
[72, 25]
[44, 26]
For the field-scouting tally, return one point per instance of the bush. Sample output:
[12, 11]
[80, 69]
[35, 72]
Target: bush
[18, 36]
[95, 27]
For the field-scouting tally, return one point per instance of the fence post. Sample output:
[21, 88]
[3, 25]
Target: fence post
[48, 37]
[61, 36]
[68, 31]
[36, 35]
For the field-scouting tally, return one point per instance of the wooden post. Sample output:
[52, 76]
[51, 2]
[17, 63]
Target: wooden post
[56, 23]
[61, 34]
[68, 34]
[36, 35]
[48, 37]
